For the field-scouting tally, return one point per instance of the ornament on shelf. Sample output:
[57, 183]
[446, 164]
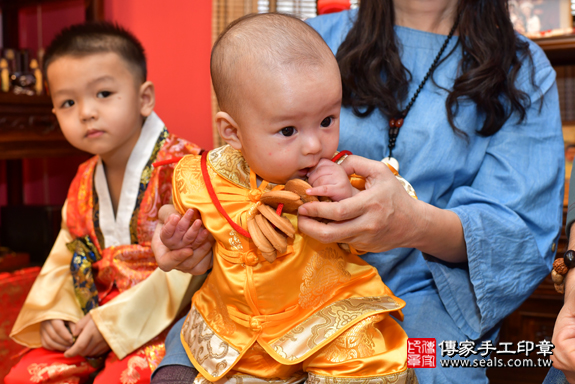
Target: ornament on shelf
[4, 76]
[39, 85]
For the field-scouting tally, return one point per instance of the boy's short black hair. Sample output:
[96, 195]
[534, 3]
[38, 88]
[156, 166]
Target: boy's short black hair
[98, 37]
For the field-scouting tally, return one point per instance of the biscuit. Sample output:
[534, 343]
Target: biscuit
[270, 256]
[299, 186]
[278, 241]
[258, 237]
[281, 223]
[290, 200]
[344, 247]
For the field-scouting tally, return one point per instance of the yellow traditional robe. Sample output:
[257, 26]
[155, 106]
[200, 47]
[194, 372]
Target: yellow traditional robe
[149, 298]
[292, 307]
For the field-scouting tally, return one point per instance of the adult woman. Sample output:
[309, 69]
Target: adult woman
[489, 114]
[509, 218]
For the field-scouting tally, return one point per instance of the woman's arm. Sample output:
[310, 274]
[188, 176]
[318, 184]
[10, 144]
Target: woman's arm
[385, 217]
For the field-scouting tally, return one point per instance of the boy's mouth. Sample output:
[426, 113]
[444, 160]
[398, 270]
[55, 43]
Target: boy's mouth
[93, 133]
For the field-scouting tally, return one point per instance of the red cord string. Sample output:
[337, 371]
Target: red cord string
[340, 155]
[215, 200]
[167, 161]
[212, 193]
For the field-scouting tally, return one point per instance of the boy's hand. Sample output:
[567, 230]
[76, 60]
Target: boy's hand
[55, 335]
[89, 342]
[177, 245]
[330, 179]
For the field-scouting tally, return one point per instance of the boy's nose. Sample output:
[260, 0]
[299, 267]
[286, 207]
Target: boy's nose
[87, 112]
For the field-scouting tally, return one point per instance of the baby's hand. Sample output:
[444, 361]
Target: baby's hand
[330, 179]
[90, 341]
[176, 231]
[55, 335]
[177, 245]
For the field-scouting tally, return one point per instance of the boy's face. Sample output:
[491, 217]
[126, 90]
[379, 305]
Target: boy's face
[288, 121]
[98, 103]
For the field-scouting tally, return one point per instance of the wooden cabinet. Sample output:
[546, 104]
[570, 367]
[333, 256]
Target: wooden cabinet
[27, 126]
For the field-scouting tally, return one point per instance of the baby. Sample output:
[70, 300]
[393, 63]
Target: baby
[316, 311]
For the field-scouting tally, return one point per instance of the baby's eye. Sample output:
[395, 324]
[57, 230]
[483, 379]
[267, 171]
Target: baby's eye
[104, 94]
[68, 103]
[326, 122]
[288, 131]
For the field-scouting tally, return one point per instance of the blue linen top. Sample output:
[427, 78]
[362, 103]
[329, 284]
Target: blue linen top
[507, 189]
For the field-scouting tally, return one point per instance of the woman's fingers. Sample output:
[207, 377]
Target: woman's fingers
[338, 211]
[199, 262]
[204, 265]
[165, 212]
[366, 168]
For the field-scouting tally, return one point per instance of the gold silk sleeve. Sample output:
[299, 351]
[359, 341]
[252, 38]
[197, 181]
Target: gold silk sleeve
[52, 295]
[139, 314]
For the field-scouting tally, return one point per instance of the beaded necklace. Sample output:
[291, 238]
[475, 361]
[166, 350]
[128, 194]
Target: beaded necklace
[397, 122]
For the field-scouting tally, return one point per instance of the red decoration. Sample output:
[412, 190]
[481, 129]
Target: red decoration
[332, 6]
[217, 203]
[14, 288]
[215, 200]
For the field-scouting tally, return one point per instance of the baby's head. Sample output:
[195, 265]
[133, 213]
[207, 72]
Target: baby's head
[96, 73]
[279, 90]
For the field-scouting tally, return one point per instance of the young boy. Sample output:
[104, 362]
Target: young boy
[100, 288]
[316, 309]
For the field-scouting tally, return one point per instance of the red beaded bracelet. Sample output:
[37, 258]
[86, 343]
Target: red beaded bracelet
[561, 266]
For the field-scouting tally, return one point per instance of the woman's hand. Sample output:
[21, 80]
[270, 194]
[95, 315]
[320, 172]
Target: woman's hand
[384, 217]
[182, 243]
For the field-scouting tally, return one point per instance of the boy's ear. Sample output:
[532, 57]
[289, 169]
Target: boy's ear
[147, 98]
[228, 130]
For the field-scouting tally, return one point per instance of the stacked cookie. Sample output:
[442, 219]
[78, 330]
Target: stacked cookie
[261, 228]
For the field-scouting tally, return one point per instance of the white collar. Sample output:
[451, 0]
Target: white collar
[116, 231]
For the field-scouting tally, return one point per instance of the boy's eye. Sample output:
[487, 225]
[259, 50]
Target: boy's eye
[104, 94]
[68, 103]
[326, 122]
[288, 131]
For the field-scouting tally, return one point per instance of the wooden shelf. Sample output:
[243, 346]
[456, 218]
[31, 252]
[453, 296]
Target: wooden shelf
[28, 128]
[24, 3]
[559, 49]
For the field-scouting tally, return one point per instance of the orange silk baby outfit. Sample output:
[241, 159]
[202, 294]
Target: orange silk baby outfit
[315, 309]
[137, 301]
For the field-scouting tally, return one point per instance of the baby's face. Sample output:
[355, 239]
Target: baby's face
[288, 121]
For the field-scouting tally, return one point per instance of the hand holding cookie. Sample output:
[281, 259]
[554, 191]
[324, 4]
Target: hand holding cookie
[268, 229]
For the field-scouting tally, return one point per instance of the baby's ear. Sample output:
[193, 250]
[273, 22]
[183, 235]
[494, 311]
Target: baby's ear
[228, 130]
